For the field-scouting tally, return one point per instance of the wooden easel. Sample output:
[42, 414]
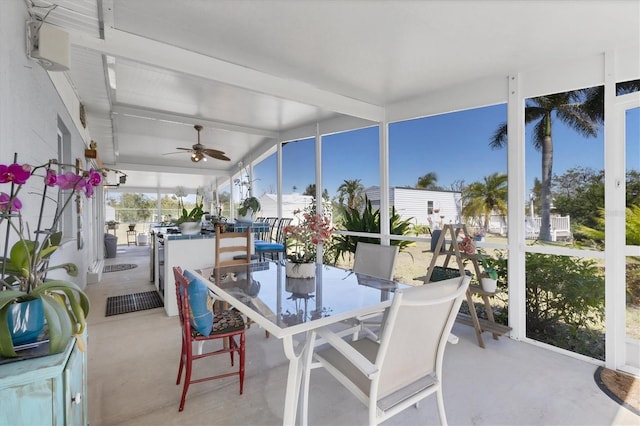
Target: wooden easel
[455, 233]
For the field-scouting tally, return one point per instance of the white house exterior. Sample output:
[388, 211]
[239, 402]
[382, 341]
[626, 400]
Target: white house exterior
[422, 206]
[290, 203]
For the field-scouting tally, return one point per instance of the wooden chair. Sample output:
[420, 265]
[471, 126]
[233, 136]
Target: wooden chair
[232, 248]
[405, 366]
[226, 325]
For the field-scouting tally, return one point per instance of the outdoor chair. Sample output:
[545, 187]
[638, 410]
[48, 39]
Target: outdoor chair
[200, 324]
[276, 245]
[377, 261]
[405, 366]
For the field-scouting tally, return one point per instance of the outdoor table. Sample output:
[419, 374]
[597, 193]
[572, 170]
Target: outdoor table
[288, 307]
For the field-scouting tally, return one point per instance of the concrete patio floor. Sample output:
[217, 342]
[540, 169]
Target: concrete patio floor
[133, 362]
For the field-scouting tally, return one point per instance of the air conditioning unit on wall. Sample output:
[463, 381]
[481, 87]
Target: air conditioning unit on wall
[49, 45]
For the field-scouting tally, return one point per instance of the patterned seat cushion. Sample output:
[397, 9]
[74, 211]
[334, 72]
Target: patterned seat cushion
[224, 322]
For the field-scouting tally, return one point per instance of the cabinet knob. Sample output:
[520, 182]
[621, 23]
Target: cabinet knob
[77, 398]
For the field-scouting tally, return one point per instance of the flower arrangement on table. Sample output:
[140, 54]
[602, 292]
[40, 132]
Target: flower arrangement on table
[302, 239]
[24, 265]
[479, 234]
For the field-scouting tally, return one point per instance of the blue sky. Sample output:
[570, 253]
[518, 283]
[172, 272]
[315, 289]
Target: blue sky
[454, 146]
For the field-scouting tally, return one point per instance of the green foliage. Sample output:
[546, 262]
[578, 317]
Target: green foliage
[195, 215]
[249, 203]
[65, 307]
[351, 189]
[480, 199]
[565, 301]
[487, 266]
[428, 181]
[596, 234]
[134, 207]
[579, 192]
[369, 222]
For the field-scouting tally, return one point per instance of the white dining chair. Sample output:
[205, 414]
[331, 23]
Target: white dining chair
[375, 260]
[405, 365]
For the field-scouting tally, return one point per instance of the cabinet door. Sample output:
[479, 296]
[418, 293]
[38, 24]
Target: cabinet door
[75, 398]
[28, 404]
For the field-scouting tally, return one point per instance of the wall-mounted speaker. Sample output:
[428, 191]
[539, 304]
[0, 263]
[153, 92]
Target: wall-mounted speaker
[48, 45]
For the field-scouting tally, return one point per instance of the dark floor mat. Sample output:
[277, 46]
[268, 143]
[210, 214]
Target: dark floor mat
[118, 267]
[133, 302]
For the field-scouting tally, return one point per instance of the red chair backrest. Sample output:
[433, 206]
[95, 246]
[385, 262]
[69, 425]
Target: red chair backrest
[182, 298]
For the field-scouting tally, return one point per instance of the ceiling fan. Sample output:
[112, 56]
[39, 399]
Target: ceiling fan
[198, 151]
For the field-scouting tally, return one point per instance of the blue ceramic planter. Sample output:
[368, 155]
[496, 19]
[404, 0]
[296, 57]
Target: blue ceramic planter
[26, 321]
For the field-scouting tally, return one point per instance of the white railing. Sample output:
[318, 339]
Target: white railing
[560, 227]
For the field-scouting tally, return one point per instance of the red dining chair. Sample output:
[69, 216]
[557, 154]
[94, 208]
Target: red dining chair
[225, 325]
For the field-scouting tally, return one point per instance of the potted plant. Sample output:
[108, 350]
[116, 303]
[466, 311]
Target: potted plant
[189, 221]
[489, 278]
[479, 235]
[247, 208]
[25, 264]
[132, 227]
[301, 242]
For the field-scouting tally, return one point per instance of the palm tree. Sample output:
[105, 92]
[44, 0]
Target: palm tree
[351, 189]
[311, 190]
[579, 110]
[428, 181]
[481, 198]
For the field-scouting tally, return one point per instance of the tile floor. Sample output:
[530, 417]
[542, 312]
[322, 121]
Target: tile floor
[133, 361]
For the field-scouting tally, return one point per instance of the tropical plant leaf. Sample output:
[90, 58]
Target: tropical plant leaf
[58, 323]
[6, 344]
[70, 296]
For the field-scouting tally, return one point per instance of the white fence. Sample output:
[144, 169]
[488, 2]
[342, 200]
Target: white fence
[560, 227]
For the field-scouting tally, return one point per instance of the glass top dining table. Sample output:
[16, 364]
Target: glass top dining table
[287, 307]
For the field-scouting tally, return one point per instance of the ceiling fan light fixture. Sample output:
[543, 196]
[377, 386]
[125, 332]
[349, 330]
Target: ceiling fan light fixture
[200, 152]
[197, 156]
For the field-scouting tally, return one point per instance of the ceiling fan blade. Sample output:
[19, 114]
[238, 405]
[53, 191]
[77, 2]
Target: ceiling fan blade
[198, 150]
[217, 155]
[171, 153]
[212, 152]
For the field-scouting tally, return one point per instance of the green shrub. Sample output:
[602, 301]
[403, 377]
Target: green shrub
[368, 221]
[564, 301]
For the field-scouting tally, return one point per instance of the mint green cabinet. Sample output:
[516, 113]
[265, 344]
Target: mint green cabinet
[49, 390]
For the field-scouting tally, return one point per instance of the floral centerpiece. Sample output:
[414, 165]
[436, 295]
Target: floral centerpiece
[24, 265]
[303, 238]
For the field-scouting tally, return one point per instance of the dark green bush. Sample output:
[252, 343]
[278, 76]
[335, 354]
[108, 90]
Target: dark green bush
[564, 301]
[367, 221]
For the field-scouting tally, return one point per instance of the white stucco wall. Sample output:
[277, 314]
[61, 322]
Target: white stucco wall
[30, 110]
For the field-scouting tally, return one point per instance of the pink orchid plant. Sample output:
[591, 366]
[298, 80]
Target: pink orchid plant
[24, 265]
[302, 239]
